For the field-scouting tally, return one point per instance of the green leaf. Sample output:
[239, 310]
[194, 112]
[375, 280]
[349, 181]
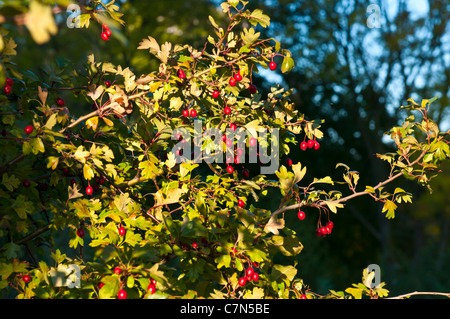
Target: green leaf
[299, 173]
[52, 162]
[10, 182]
[11, 250]
[326, 180]
[223, 261]
[149, 169]
[355, 292]
[256, 293]
[256, 255]
[111, 287]
[390, 207]
[288, 246]
[37, 146]
[51, 121]
[130, 282]
[333, 206]
[257, 16]
[283, 273]
[287, 65]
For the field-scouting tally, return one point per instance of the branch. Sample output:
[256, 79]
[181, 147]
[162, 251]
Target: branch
[33, 235]
[344, 199]
[415, 293]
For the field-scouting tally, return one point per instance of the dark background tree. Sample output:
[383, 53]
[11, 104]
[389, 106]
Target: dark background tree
[353, 77]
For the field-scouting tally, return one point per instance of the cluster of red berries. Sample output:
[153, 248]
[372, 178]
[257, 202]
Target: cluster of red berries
[191, 112]
[310, 144]
[321, 231]
[250, 275]
[98, 181]
[8, 86]
[234, 79]
[325, 230]
[122, 294]
[106, 32]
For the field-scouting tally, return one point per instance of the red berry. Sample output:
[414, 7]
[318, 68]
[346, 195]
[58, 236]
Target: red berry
[324, 230]
[193, 113]
[80, 232]
[233, 127]
[241, 203]
[7, 89]
[26, 278]
[108, 32]
[104, 36]
[230, 169]
[117, 270]
[252, 141]
[122, 231]
[303, 296]
[232, 82]
[186, 113]
[242, 281]
[245, 173]
[252, 89]
[195, 245]
[100, 285]
[60, 101]
[26, 183]
[227, 110]
[89, 190]
[272, 66]
[105, 27]
[151, 288]
[66, 171]
[215, 94]
[233, 251]
[255, 276]
[303, 145]
[288, 162]
[9, 82]
[316, 145]
[28, 129]
[238, 76]
[301, 215]
[122, 294]
[181, 74]
[330, 224]
[101, 180]
[249, 272]
[311, 143]
[108, 83]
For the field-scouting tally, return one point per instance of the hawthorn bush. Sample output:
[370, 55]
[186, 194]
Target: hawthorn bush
[130, 195]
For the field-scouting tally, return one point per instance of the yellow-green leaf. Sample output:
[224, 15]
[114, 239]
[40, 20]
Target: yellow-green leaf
[92, 123]
[40, 22]
[88, 172]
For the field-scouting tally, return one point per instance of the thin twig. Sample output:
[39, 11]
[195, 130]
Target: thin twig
[416, 293]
